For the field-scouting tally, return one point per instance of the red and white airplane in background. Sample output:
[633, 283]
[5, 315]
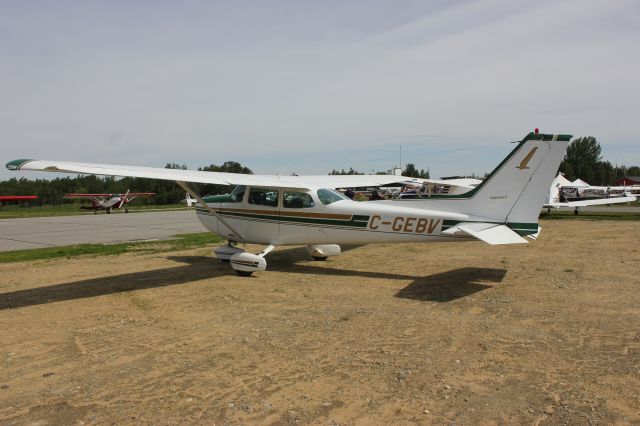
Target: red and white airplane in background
[108, 202]
[12, 198]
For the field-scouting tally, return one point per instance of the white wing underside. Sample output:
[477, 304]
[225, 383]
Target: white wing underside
[596, 202]
[296, 182]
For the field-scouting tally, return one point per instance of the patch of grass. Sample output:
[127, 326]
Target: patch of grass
[590, 215]
[141, 303]
[69, 209]
[180, 242]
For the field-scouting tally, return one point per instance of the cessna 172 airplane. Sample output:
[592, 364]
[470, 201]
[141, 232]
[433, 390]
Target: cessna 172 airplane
[108, 202]
[307, 210]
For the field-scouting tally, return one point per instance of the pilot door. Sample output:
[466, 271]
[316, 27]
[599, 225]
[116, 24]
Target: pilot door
[259, 215]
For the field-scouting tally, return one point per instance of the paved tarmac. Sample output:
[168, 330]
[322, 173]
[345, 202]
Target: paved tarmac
[18, 234]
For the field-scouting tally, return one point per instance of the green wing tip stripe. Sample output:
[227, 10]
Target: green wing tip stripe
[547, 137]
[16, 164]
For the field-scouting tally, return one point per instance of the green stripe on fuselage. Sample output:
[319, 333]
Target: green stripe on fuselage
[357, 221]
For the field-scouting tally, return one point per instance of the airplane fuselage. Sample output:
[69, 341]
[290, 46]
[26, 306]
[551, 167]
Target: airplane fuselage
[340, 221]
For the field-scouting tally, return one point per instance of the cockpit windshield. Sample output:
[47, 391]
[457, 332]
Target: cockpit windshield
[328, 196]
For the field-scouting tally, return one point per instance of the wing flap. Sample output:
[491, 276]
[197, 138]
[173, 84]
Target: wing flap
[490, 233]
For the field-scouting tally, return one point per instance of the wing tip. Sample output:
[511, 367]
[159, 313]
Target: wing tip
[17, 164]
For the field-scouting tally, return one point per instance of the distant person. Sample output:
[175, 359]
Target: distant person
[349, 193]
[375, 195]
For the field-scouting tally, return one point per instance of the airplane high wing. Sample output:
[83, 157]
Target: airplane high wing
[306, 210]
[98, 196]
[9, 198]
[196, 176]
[594, 202]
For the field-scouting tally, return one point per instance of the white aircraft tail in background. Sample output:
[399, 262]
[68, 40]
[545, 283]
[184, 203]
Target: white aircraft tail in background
[190, 201]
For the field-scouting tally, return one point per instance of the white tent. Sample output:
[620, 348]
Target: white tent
[560, 180]
[579, 182]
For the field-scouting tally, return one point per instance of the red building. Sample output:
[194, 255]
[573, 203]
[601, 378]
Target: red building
[628, 181]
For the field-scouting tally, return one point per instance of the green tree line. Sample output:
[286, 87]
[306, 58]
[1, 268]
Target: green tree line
[584, 160]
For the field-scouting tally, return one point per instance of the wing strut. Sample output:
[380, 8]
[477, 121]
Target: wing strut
[195, 195]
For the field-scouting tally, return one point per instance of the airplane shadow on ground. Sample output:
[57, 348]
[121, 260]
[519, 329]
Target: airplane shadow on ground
[196, 268]
[441, 287]
[451, 285]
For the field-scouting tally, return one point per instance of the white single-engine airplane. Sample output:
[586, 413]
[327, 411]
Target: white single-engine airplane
[306, 210]
[108, 202]
[573, 195]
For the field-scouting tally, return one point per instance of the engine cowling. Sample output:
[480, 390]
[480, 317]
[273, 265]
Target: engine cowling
[247, 263]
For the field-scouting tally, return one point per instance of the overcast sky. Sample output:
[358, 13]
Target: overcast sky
[306, 86]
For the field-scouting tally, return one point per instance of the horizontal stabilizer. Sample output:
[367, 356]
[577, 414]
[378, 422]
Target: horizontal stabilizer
[490, 233]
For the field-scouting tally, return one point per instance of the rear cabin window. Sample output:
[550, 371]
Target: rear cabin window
[237, 194]
[263, 197]
[328, 196]
[296, 200]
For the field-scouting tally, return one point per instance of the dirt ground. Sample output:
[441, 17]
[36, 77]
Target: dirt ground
[413, 334]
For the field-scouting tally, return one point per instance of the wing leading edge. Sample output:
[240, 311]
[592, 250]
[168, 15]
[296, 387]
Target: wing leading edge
[296, 182]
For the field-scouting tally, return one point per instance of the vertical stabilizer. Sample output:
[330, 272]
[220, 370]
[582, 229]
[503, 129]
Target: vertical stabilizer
[516, 190]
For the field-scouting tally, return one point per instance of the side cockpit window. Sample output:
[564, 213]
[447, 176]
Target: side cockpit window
[296, 200]
[263, 197]
[328, 196]
[238, 194]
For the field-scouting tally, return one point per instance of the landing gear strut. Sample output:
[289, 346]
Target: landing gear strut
[224, 253]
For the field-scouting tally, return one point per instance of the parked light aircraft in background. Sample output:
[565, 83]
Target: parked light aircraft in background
[573, 195]
[190, 201]
[307, 210]
[108, 202]
[14, 198]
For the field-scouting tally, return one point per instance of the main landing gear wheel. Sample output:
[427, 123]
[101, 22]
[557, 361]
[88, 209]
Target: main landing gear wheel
[247, 263]
[108, 211]
[126, 211]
